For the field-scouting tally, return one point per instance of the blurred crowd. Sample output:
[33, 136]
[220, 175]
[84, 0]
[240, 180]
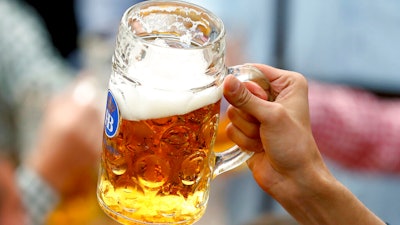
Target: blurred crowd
[55, 65]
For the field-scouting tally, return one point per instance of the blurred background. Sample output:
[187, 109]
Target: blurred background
[348, 49]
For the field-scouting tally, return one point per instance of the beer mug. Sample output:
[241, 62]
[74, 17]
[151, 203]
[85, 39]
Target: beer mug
[162, 114]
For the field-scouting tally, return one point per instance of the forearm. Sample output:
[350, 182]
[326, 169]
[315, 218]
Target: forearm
[324, 200]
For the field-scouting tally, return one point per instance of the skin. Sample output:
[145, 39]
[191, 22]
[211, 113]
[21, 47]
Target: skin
[287, 163]
[12, 211]
[69, 144]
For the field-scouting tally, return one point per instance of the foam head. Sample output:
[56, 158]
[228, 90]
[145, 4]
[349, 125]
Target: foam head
[166, 76]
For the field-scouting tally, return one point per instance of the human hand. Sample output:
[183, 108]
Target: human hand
[69, 143]
[287, 163]
[278, 132]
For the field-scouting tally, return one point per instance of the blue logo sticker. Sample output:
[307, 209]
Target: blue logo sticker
[111, 120]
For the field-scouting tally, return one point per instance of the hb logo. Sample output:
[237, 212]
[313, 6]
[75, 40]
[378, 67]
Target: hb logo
[111, 119]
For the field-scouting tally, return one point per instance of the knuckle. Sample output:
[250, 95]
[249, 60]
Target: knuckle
[243, 98]
[300, 79]
[278, 113]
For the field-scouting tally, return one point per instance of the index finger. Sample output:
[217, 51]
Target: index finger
[270, 72]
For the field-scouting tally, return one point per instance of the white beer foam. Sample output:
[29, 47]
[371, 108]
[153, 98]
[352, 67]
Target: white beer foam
[174, 68]
[166, 76]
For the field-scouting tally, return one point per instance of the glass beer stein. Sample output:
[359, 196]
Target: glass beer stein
[162, 114]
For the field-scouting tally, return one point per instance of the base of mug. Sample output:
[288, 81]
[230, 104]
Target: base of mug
[120, 218]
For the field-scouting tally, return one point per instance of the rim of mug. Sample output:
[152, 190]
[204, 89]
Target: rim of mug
[197, 7]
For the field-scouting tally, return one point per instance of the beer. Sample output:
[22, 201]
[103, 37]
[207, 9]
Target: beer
[158, 170]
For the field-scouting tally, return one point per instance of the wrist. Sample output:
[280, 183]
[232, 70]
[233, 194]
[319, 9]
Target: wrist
[38, 198]
[48, 172]
[306, 194]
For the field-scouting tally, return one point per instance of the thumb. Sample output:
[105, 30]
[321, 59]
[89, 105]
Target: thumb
[240, 97]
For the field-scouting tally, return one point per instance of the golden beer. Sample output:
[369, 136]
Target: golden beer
[159, 170]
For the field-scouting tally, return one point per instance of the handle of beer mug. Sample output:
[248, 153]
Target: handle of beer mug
[235, 156]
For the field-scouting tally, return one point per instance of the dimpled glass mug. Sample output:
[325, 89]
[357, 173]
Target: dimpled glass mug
[162, 114]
